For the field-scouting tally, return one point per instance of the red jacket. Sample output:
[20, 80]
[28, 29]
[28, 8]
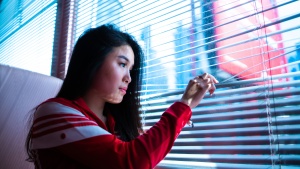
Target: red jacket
[67, 134]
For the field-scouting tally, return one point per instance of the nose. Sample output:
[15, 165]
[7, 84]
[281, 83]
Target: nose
[127, 77]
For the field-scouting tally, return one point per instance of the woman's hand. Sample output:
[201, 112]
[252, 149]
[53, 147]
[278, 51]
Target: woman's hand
[197, 88]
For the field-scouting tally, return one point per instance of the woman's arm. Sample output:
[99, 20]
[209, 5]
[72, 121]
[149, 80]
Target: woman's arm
[72, 134]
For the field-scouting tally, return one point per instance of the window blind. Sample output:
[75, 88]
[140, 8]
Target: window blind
[27, 33]
[252, 47]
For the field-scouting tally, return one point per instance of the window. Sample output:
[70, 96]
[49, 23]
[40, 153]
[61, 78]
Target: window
[252, 47]
[27, 34]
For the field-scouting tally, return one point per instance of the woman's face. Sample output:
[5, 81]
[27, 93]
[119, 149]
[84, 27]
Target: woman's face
[113, 77]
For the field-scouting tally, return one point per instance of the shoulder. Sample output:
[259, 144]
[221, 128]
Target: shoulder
[52, 109]
[57, 124]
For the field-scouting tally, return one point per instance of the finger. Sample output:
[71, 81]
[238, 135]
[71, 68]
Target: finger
[212, 89]
[198, 78]
[208, 80]
[190, 123]
[205, 75]
[214, 79]
[208, 76]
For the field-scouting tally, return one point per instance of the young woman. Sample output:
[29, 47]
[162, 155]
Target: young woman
[94, 121]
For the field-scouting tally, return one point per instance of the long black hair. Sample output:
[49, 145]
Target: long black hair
[88, 55]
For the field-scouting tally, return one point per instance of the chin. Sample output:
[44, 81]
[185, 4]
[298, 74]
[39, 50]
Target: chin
[115, 100]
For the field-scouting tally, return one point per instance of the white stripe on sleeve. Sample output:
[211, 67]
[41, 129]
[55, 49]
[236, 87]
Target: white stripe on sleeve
[67, 136]
[56, 124]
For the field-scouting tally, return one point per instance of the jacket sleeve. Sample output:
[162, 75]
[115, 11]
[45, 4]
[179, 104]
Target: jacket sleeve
[82, 140]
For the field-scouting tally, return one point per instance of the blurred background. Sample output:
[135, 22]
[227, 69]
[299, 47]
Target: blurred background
[251, 46]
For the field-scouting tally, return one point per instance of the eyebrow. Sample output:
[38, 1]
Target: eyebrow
[124, 57]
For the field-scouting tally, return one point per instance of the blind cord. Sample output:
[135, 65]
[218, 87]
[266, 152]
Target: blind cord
[267, 84]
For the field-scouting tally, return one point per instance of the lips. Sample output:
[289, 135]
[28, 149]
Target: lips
[123, 90]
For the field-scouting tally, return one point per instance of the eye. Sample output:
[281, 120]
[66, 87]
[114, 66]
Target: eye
[123, 64]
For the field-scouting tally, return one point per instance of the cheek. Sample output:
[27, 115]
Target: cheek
[107, 89]
[105, 82]
[101, 85]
